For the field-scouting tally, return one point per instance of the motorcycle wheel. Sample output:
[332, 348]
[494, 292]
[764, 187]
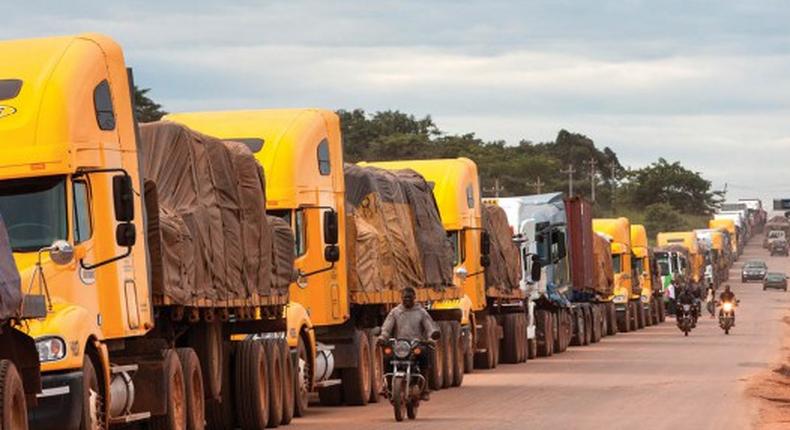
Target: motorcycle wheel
[411, 409]
[726, 331]
[397, 398]
[685, 332]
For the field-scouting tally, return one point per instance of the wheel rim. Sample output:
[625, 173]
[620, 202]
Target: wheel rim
[303, 368]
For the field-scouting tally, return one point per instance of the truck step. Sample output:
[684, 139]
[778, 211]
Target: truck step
[328, 383]
[126, 419]
[128, 368]
[481, 350]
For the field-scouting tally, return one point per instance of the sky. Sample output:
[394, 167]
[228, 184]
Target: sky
[702, 82]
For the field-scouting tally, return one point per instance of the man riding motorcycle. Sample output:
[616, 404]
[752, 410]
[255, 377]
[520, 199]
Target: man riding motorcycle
[687, 297]
[409, 320]
[727, 296]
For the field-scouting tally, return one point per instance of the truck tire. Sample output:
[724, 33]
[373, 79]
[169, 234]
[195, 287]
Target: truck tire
[376, 369]
[275, 381]
[356, 380]
[193, 386]
[624, 319]
[13, 407]
[495, 339]
[469, 352]
[564, 330]
[448, 346]
[251, 384]
[207, 340]
[458, 360]
[175, 416]
[221, 412]
[578, 327]
[662, 311]
[304, 376]
[595, 326]
[651, 317]
[588, 325]
[509, 344]
[435, 380]
[611, 319]
[487, 359]
[522, 337]
[642, 320]
[289, 382]
[545, 343]
[92, 396]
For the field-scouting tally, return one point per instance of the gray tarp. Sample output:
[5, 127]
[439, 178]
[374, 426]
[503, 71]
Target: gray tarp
[10, 288]
[283, 272]
[602, 266]
[211, 241]
[504, 272]
[395, 234]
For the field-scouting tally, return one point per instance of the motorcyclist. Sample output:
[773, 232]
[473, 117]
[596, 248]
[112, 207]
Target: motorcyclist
[727, 296]
[409, 320]
[686, 297]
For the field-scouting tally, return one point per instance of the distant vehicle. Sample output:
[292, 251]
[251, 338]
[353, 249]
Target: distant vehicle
[754, 270]
[779, 247]
[776, 280]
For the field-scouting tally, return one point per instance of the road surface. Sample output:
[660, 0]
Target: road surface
[650, 379]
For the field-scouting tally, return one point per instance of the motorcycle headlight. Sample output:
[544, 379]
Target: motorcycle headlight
[727, 307]
[620, 298]
[50, 349]
[687, 308]
[402, 349]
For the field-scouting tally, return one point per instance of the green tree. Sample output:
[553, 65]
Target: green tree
[671, 183]
[663, 217]
[145, 109]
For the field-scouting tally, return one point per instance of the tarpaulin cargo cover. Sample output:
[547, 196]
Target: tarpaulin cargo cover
[395, 237]
[10, 288]
[212, 234]
[504, 272]
[602, 267]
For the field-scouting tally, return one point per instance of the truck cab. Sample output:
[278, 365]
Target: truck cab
[644, 265]
[688, 241]
[627, 291]
[728, 225]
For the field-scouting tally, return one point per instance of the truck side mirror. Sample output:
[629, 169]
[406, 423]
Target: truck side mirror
[485, 243]
[332, 253]
[330, 228]
[123, 198]
[125, 235]
[535, 271]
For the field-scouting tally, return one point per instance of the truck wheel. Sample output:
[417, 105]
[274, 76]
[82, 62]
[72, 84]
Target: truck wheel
[356, 380]
[376, 370]
[642, 314]
[449, 354]
[578, 327]
[509, 342]
[92, 398]
[13, 409]
[458, 359]
[564, 328]
[207, 341]
[176, 415]
[193, 386]
[624, 319]
[595, 328]
[251, 383]
[275, 381]
[437, 372]
[522, 337]
[289, 382]
[587, 325]
[611, 319]
[662, 311]
[304, 375]
[544, 333]
[487, 359]
[469, 353]
[495, 339]
[220, 412]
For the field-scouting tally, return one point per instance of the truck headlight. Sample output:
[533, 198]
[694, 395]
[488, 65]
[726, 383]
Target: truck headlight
[645, 299]
[620, 298]
[50, 348]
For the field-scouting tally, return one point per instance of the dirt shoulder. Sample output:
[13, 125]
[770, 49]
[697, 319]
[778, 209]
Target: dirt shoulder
[770, 389]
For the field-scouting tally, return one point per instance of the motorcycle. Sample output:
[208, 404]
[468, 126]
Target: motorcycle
[685, 318]
[727, 316]
[405, 383]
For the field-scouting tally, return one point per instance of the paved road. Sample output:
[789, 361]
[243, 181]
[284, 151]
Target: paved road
[651, 379]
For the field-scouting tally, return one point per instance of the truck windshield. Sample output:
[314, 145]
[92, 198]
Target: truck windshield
[34, 210]
[617, 263]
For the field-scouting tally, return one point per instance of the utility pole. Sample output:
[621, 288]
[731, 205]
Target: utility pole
[538, 184]
[592, 162]
[496, 189]
[570, 171]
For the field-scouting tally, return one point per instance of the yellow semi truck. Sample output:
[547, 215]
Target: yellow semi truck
[728, 225]
[645, 268]
[83, 211]
[497, 317]
[687, 240]
[330, 323]
[627, 290]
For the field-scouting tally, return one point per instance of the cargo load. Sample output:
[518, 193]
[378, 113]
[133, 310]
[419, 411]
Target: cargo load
[503, 272]
[10, 287]
[395, 236]
[212, 238]
[602, 267]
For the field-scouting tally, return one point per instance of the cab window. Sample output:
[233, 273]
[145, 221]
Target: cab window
[617, 263]
[470, 197]
[638, 265]
[83, 229]
[324, 167]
